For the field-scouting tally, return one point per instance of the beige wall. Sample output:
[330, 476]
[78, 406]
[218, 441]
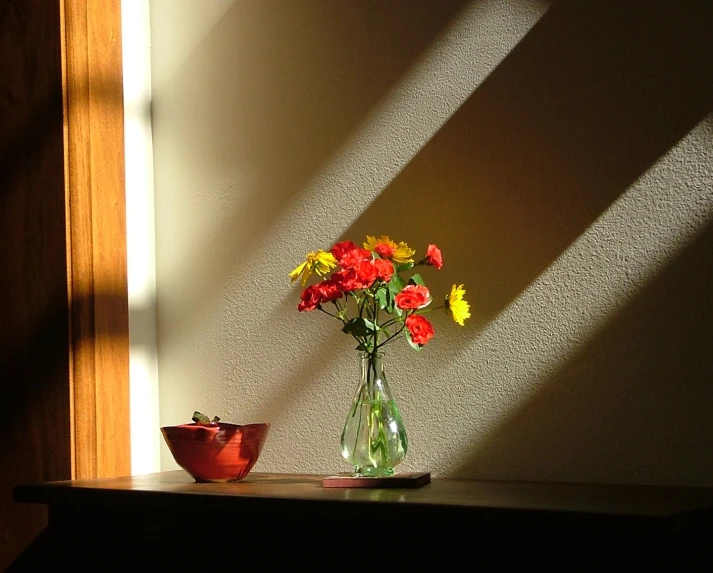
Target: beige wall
[562, 158]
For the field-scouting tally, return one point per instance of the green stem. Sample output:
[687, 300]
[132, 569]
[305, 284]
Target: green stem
[362, 304]
[330, 314]
[390, 322]
[399, 331]
[376, 322]
[372, 403]
[425, 310]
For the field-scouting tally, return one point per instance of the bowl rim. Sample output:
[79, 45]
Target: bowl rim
[215, 425]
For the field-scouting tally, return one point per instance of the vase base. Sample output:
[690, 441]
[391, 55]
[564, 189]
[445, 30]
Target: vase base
[403, 480]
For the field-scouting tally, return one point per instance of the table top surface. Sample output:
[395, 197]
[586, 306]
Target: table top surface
[177, 486]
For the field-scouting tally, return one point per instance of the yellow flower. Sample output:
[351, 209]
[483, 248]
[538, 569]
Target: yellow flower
[458, 308]
[320, 262]
[388, 249]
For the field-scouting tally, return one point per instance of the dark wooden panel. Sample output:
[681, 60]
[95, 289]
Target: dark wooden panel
[63, 252]
[34, 369]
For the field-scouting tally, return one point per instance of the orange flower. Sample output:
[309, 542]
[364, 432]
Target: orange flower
[385, 269]
[420, 329]
[434, 257]
[413, 297]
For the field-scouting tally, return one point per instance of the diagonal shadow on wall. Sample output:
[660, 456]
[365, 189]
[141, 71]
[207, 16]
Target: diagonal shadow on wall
[589, 100]
[306, 92]
[633, 405]
[585, 104]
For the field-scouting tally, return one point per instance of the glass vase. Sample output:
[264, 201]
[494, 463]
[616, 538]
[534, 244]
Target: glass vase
[374, 438]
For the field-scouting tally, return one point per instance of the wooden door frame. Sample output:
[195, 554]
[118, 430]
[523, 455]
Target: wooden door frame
[92, 85]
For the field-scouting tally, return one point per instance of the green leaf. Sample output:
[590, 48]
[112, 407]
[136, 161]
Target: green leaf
[382, 297]
[417, 280]
[372, 326]
[401, 267]
[360, 327]
[396, 284]
[390, 302]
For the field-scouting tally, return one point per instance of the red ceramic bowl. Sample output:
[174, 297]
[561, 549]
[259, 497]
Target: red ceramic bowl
[216, 452]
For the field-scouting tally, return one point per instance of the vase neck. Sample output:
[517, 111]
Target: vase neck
[375, 359]
[372, 369]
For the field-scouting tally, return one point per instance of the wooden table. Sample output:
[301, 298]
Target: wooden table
[167, 519]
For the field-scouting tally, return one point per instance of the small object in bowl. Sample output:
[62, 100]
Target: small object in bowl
[203, 420]
[216, 451]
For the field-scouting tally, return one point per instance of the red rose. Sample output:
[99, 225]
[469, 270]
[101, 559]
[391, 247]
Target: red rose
[353, 257]
[384, 250]
[384, 269]
[329, 290]
[412, 297]
[434, 256]
[340, 249]
[311, 298]
[366, 273]
[420, 329]
[346, 280]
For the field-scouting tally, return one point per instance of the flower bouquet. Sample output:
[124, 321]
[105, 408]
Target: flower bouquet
[366, 291]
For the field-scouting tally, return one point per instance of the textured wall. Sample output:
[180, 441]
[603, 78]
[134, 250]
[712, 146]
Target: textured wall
[560, 155]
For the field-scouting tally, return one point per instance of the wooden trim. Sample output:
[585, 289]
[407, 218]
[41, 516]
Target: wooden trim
[96, 237]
